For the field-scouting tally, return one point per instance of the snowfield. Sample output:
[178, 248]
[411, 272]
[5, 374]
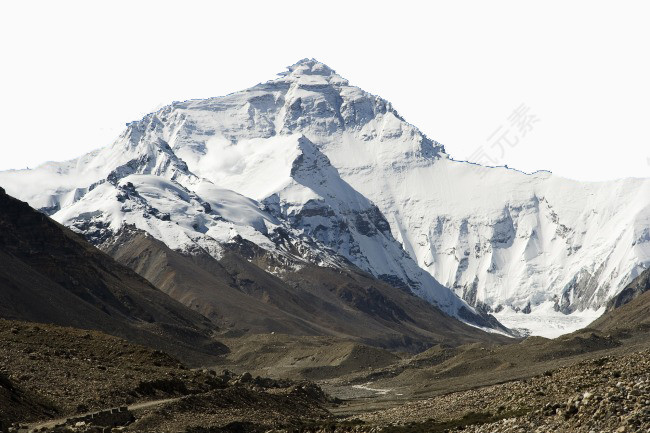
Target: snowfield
[544, 321]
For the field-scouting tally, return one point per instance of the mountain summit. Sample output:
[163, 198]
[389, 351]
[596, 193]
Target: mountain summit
[314, 170]
[308, 66]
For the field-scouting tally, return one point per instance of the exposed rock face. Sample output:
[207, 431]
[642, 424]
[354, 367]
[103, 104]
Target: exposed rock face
[238, 293]
[317, 201]
[630, 310]
[637, 287]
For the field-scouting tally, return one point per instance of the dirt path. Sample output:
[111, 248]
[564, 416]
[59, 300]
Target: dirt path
[51, 423]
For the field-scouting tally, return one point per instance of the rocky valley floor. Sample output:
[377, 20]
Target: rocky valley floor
[53, 377]
[609, 393]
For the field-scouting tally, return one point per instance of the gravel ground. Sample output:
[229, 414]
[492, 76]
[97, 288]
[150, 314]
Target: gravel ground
[610, 394]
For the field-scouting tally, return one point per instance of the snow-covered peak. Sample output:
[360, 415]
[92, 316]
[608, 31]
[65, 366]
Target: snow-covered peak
[309, 99]
[309, 67]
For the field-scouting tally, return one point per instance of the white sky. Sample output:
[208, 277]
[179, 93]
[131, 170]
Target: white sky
[73, 73]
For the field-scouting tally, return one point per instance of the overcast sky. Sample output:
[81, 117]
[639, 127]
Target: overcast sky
[575, 74]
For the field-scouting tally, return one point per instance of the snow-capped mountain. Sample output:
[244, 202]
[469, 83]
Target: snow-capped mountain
[339, 169]
[290, 201]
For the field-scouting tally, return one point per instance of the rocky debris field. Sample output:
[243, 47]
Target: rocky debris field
[63, 374]
[606, 394]
[240, 408]
[611, 395]
[244, 404]
[77, 371]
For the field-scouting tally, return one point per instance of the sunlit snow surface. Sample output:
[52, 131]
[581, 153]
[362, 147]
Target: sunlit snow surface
[544, 321]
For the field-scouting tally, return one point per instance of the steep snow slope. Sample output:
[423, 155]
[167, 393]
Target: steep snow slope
[298, 184]
[496, 236]
[139, 181]
[55, 185]
[501, 237]
[171, 213]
